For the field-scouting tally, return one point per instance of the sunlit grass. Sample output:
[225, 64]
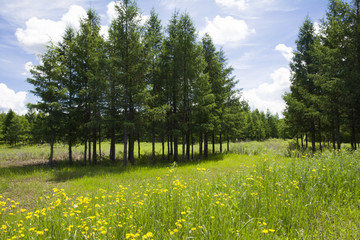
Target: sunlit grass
[230, 197]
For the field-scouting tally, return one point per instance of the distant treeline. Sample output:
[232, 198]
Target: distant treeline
[324, 102]
[142, 82]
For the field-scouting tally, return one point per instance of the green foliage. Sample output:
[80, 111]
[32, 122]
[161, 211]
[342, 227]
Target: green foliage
[325, 90]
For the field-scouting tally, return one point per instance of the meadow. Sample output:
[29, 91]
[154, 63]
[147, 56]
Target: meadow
[256, 192]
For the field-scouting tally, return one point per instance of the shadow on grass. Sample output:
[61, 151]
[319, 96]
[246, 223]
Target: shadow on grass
[64, 171]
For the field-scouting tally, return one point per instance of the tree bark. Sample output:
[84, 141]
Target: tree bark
[192, 147]
[89, 149]
[112, 144]
[70, 151]
[94, 147]
[125, 147]
[139, 147]
[200, 145]
[168, 148]
[163, 147]
[213, 143]
[176, 154]
[85, 151]
[228, 144]
[220, 142]
[183, 148]
[131, 147]
[353, 135]
[52, 140]
[206, 150]
[188, 143]
[153, 144]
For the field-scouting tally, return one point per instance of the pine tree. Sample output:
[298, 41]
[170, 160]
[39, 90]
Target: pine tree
[68, 82]
[170, 72]
[46, 80]
[156, 102]
[302, 111]
[89, 50]
[124, 37]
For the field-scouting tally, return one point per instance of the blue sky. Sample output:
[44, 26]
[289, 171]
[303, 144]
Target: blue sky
[258, 37]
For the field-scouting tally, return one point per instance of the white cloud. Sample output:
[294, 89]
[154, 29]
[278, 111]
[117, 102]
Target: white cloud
[28, 67]
[73, 16]
[318, 30]
[39, 32]
[172, 4]
[111, 11]
[104, 31]
[11, 100]
[269, 95]
[287, 52]
[250, 8]
[239, 4]
[19, 11]
[227, 30]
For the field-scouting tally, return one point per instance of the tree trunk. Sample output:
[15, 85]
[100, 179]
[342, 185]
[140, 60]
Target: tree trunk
[153, 145]
[188, 143]
[139, 147]
[220, 142]
[183, 148]
[85, 151]
[125, 147]
[112, 145]
[192, 147]
[163, 147]
[70, 151]
[206, 153]
[52, 140]
[302, 142]
[131, 148]
[171, 146]
[168, 148]
[89, 149]
[353, 136]
[228, 143]
[213, 143]
[94, 147]
[200, 145]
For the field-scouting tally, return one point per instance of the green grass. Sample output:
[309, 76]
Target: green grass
[264, 196]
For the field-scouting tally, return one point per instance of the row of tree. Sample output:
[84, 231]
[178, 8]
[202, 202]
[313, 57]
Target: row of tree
[32, 128]
[324, 101]
[142, 82]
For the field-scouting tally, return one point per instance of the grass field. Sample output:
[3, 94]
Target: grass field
[264, 195]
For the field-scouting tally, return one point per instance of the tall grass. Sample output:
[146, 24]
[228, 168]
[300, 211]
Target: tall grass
[271, 146]
[231, 197]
